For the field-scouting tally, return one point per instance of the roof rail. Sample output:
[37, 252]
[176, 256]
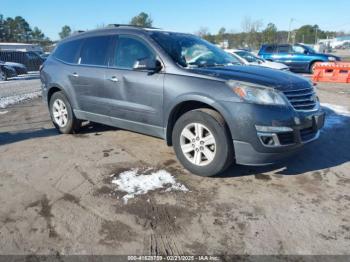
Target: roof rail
[78, 32]
[128, 25]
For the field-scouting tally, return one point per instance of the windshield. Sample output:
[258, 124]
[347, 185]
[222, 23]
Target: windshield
[192, 51]
[249, 57]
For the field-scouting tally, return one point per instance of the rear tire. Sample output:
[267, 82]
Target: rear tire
[3, 76]
[62, 115]
[202, 142]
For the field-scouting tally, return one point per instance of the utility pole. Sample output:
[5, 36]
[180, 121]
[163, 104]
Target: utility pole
[316, 36]
[290, 26]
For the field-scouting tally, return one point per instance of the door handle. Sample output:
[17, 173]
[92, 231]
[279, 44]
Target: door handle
[113, 79]
[75, 74]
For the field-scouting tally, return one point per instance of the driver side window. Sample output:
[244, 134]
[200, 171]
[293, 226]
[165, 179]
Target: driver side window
[129, 50]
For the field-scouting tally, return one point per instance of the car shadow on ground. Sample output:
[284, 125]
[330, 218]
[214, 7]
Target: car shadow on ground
[330, 150]
[20, 135]
[17, 136]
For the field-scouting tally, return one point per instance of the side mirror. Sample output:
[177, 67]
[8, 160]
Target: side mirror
[148, 64]
[306, 52]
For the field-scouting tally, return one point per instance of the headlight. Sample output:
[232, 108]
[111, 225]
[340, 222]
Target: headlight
[256, 94]
[331, 59]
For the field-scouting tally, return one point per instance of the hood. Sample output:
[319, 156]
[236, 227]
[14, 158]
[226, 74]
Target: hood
[280, 80]
[325, 55]
[269, 64]
[274, 65]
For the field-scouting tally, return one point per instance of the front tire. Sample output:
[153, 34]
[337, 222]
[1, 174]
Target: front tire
[62, 115]
[312, 67]
[202, 142]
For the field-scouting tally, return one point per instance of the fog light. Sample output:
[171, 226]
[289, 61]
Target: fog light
[267, 140]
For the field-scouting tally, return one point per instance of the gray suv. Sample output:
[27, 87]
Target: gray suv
[181, 88]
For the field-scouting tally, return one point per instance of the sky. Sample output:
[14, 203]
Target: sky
[179, 15]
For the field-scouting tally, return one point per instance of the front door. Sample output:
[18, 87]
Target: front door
[137, 94]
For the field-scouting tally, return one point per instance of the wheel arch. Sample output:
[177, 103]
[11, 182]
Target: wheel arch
[187, 104]
[53, 88]
[312, 62]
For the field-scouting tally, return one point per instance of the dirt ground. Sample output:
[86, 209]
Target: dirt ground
[56, 195]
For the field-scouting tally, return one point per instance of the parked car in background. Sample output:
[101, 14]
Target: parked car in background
[249, 58]
[44, 56]
[20, 69]
[6, 72]
[299, 58]
[181, 88]
[30, 59]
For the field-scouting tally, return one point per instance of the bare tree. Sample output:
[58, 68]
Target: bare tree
[202, 32]
[252, 29]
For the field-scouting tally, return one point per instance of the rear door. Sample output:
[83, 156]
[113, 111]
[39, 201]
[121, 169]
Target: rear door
[137, 96]
[88, 75]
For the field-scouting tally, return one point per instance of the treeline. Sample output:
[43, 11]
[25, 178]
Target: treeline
[18, 30]
[253, 36]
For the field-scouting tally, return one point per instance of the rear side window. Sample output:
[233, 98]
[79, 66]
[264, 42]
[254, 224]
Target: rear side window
[284, 49]
[270, 49]
[68, 52]
[94, 51]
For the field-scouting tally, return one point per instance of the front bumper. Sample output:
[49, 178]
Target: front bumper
[264, 135]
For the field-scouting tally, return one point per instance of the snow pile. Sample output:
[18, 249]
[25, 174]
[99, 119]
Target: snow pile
[10, 100]
[135, 182]
[335, 115]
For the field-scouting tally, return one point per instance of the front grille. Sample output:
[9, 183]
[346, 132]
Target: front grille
[307, 133]
[286, 138]
[302, 99]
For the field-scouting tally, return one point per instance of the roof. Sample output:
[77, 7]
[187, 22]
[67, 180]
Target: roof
[112, 28]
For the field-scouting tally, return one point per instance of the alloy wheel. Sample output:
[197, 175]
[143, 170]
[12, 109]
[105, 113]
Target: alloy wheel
[60, 113]
[198, 144]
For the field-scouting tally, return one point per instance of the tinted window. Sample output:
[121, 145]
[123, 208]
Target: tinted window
[284, 49]
[129, 50]
[32, 56]
[67, 52]
[270, 49]
[95, 50]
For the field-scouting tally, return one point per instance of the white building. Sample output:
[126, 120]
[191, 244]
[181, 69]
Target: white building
[21, 47]
[335, 42]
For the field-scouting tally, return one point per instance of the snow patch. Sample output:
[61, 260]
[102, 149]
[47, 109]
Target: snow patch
[3, 112]
[140, 181]
[336, 115]
[10, 100]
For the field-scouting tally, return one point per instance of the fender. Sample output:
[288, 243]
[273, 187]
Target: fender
[195, 97]
[69, 94]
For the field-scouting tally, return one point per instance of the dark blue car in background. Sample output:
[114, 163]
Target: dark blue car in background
[299, 58]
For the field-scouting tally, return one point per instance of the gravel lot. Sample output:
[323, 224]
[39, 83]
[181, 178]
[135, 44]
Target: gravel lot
[57, 195]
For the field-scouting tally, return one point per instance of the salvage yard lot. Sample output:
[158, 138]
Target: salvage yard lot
[57, 195]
